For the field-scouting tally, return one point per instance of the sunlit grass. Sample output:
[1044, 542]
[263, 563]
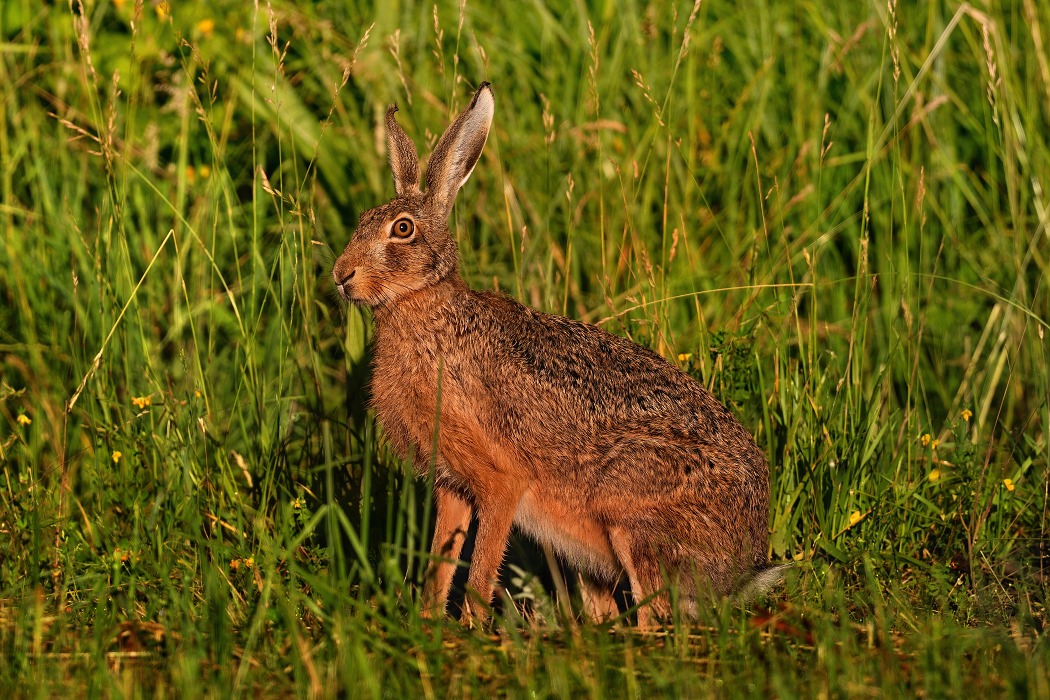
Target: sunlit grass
[833, 216]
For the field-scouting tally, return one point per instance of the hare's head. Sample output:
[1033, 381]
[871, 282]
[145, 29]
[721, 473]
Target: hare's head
[405, 245]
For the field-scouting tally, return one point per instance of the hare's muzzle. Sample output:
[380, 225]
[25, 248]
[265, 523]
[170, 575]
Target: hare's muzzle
[342, 282]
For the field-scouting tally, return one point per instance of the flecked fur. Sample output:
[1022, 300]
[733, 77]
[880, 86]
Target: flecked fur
[581, 439]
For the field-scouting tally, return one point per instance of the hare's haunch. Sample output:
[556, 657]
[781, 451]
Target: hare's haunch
[582, 439]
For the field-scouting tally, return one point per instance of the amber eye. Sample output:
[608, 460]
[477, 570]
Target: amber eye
[403, 228]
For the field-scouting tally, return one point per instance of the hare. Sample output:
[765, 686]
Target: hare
[582, 439]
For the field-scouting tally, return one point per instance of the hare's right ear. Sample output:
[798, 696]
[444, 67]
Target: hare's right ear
[458, 151]
[404, 160]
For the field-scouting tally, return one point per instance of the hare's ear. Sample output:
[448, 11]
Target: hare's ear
[404, 160]
[458, 151]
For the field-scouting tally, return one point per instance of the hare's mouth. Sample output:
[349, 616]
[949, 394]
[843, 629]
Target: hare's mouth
[347, 292]
[358, 294]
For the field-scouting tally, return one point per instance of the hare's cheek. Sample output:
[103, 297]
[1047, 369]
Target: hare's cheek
[398, 257]
[378, 254]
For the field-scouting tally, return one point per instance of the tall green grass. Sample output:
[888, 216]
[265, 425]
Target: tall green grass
[835, 217]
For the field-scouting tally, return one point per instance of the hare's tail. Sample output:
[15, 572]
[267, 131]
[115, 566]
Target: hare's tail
[762, 582]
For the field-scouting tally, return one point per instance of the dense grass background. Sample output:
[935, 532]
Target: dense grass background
[835, 215]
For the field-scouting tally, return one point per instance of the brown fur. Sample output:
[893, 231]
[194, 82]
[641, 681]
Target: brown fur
[582, 439]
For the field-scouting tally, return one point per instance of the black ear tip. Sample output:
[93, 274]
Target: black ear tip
[392, 108]
[486, 85]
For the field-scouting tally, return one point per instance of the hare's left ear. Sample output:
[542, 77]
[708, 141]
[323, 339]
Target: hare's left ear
[403, 158]
[458, 151]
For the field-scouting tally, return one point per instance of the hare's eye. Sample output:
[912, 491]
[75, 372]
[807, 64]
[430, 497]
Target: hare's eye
[403, 228]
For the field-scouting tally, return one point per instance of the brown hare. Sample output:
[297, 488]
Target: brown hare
[582, 439]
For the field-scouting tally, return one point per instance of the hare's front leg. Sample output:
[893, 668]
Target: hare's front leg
[450, 530]
[494, 521]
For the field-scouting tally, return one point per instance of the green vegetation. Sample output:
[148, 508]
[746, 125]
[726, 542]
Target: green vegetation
[836, 215]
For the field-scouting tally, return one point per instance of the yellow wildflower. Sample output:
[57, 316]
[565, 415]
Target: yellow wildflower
[966, 414]
[117, 456]
[1009, 484]
[933, 445]
[297, 503]
[206, 26]
[685, 356]
[204, 171]
[191, 174]
[854, 518]
[141, 401]
[235, 564]
[935, 476]
[249, 562]
[23, 419]
[925, 439]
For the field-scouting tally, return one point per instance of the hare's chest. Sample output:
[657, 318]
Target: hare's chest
[401, 387]
[410, 384]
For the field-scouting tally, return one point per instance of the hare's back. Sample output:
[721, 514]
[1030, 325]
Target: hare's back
[576, 377]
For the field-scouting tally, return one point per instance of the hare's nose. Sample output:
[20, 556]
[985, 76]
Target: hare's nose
[340, 282]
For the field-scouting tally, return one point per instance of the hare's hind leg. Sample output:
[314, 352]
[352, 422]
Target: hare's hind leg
[599, 601]
[450, 530]
[639, 573]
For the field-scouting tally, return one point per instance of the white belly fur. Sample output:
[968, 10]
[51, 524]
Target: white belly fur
[583, 543]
